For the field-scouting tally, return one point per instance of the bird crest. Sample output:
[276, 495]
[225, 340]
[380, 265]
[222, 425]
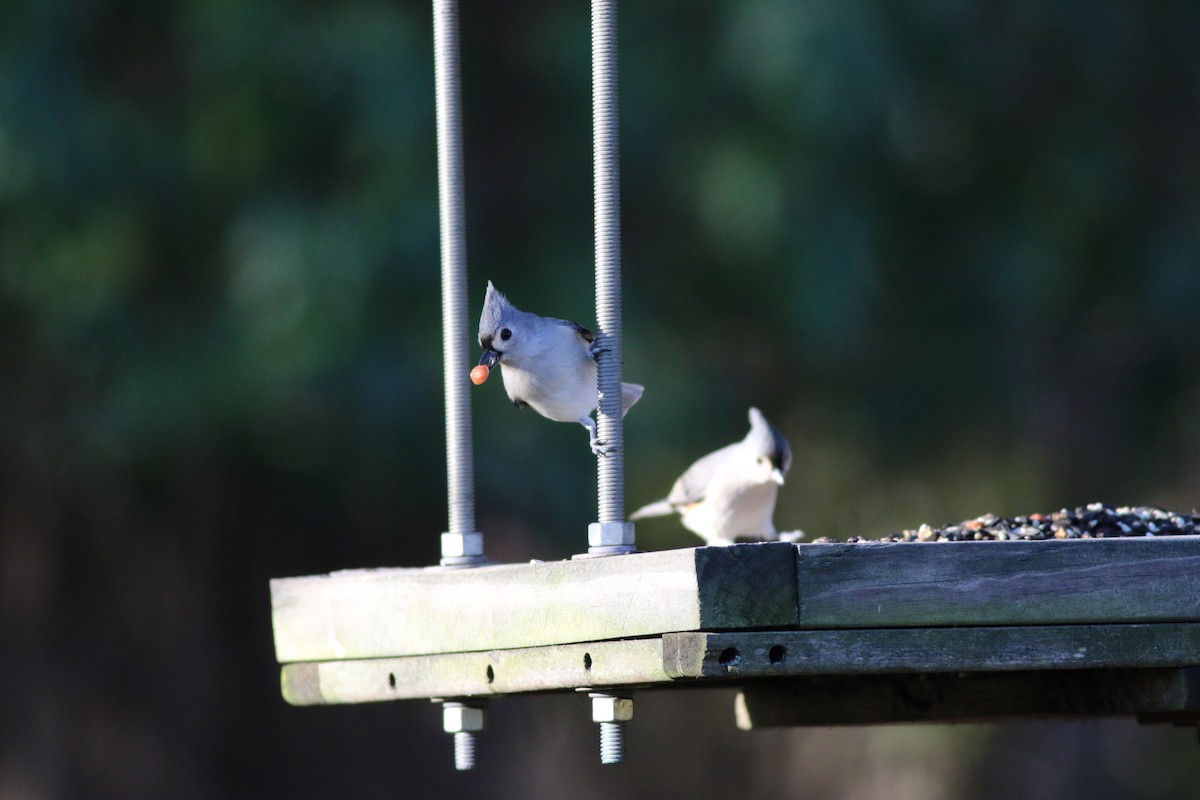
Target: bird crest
[768, 441]
[495, 308]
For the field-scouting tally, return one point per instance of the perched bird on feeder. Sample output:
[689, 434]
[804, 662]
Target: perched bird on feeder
[730, 493]
[548, 364]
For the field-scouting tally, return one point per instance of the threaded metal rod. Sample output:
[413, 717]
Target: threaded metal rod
[464, 750]
[612, 742]
[460, 475]
[606, 175]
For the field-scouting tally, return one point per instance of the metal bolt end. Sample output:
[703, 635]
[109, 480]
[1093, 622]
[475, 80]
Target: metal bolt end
[464, 721]
[462, 549]
[612, 742]
[612, 711]
[464, 751]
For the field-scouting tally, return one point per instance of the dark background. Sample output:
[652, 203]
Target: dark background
[951, 249]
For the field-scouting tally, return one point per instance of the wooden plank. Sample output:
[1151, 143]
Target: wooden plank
[956, 697]
[751, 654]
[398, 612]
[684, 658]
[999, 583]
[564, 667]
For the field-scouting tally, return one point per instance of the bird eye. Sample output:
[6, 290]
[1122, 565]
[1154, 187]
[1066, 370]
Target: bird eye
[505, 334]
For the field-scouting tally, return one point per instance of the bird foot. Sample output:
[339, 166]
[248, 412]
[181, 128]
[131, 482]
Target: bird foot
[599, 447]
[603, 449]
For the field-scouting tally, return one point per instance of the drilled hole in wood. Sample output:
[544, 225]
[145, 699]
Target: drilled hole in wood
[587, 660]
[777, 654]
[491, 674]
[391, 680]
[729, 656]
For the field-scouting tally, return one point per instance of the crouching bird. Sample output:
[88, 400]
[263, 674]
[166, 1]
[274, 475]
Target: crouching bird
[547, 364]
[730, 493]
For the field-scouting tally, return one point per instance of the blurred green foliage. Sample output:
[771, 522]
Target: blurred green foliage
[951, 249]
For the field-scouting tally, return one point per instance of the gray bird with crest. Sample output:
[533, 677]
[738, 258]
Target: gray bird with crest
[730, 493]
[547, 364]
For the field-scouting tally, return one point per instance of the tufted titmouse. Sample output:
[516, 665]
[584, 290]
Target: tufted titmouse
[731, 492]
[549, 364]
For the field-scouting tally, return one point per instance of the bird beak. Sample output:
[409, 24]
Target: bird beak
[489, 358]
[777, 476]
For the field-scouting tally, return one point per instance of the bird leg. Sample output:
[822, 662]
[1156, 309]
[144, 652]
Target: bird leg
[598, 447]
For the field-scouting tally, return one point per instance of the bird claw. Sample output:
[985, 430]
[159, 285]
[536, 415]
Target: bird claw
[599, 446]
[603, 449]
[596, 349]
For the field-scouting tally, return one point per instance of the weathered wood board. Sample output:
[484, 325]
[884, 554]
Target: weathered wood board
[682, 659]
[999, 583]
[955, 697]
[767, 654]
[396, 612]
[634, 662]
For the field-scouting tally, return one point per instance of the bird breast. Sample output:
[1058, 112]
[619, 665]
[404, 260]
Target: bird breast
[733, 508]
[559, 382]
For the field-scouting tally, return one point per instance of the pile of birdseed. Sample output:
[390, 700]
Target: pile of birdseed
[1093, 521]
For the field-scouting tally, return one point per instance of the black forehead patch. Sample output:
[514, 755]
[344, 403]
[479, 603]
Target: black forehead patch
[780, 450]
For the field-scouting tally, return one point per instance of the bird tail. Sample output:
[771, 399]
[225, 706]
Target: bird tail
[660, 508]
[630, 394]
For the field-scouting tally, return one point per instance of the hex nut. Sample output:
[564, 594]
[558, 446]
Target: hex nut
[610, 534]
[459, 545]
[457, 718]
[606, 708]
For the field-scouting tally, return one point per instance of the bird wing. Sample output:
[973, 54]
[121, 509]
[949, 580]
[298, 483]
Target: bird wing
[693, 484]
[583, 332]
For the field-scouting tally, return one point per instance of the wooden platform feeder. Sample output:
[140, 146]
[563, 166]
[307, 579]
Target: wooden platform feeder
[811, 634]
